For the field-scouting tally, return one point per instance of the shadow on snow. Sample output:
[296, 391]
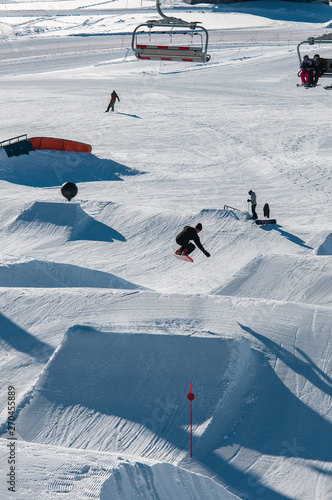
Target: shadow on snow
[80, 225]
[291, 237]
[54, 168]
[23, 341]
[279, 12]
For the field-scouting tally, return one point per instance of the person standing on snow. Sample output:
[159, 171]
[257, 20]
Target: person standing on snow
[190, 233]
[114, 97]
[253, 203]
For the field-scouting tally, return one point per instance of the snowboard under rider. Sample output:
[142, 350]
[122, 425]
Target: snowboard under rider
[187, 234]
[114, 97]
[253, 203]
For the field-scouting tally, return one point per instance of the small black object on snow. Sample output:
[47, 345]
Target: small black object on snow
[69, 190]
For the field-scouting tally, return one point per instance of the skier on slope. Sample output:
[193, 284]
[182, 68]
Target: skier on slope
[253, 203]
[114, 97]
[190, 233]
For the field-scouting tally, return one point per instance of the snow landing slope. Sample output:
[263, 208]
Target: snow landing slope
[131, 396]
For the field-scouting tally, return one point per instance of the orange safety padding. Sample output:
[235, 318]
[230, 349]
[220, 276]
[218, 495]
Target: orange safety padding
[80, 147]
[36, 142]
[59, 144]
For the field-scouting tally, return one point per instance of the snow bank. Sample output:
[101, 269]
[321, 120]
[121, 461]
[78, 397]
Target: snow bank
[61, 219]
[295, 278]
[43, 274]
[69, 474]
[325, 248]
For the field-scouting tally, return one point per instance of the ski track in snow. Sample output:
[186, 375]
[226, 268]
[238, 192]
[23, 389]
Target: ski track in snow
[101, 329]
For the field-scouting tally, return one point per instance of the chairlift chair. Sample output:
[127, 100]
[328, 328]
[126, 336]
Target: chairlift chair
[164, 52]
[324, 39]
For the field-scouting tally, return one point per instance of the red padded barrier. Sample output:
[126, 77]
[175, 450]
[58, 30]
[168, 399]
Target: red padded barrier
[59, 144]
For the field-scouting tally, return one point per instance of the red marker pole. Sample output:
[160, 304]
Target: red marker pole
[191, 397]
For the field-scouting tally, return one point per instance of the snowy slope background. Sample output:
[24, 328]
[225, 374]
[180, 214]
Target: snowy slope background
[101, 329]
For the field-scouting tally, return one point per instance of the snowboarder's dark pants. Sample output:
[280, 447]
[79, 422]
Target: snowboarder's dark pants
[253, 209]
[317, 75]
[110, 106]
[185, 245]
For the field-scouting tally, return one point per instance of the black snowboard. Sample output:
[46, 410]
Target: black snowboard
[261, 222]
[266, 210]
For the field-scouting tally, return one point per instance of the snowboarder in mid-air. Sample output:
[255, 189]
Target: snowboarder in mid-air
[114, 97]
[187, 234]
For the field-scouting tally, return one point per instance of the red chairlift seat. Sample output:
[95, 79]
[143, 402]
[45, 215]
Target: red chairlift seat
[169, 53]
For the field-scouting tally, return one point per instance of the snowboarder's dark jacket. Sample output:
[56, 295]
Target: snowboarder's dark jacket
[114, 97]
[189, 233]
[320, 64]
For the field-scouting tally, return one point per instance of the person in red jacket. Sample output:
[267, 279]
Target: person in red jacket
[114, 97]
[187, 234]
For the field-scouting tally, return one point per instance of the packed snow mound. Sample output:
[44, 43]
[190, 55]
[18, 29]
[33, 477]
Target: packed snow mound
[160, 482]
[66, 219]
[132, 392]
[82, 475]
[42, 274]
[325, 248]
[295, 278]
[54, 168]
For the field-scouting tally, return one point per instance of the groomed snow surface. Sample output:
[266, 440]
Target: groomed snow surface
[102, 331]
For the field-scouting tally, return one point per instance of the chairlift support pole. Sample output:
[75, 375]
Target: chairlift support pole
[172, 21]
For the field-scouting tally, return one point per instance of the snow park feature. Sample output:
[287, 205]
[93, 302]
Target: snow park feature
[16, 146]
[102, 330]
[59, 144]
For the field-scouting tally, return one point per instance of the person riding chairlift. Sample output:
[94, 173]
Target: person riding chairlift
[306, 72]
[320, 67]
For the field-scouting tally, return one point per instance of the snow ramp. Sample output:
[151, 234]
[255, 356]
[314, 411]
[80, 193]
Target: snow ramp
[126, 393]
[123, 392]
[45, 221]
[42, 274]
[294, 278]
[325, 248]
